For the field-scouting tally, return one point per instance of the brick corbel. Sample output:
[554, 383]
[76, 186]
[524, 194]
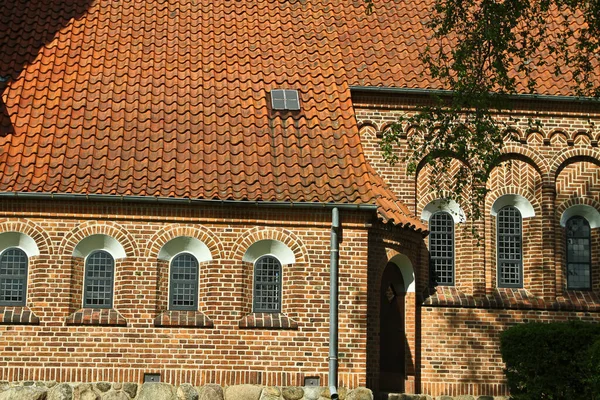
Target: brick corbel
[268, 321]
[183, 319]
[96, 316]
[17, 315]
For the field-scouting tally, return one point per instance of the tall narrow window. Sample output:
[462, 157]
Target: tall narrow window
[99, 280]
[267, 285]
[510, 244]
[578, 253]
[441, 247]
[13, 277]
[183, 290]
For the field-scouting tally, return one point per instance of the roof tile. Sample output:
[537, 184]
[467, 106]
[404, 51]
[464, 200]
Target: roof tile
[154, 98]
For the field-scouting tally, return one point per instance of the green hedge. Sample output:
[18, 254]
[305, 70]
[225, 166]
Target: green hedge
[552, 361]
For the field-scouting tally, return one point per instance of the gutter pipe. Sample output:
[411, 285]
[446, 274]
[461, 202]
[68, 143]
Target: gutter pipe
[333, 303]
[172, 200]
[441, 92]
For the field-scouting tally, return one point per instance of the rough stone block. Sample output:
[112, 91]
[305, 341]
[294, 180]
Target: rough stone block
[103, 386]
[312, 393]
[186, 391]
[24, 393]
[112, 395]
[360, 394]
[85, 392]
[292, 393]
[130, 389]
[63, 391]
[270, 393]
[243, 392]
[156, 391]
[210, 392]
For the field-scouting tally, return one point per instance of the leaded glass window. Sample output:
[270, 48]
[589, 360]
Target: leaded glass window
[183, 291]
[267, 285]
[441, 247]
[578, 253]
[510, 247]
[13, 277]
[99, 280]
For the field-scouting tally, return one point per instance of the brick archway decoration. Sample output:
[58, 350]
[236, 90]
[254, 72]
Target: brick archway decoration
[107, 228]
[254, 235]
[173, 231]
[493, 195]
[570, 156]
[528, 155]
[31, 229]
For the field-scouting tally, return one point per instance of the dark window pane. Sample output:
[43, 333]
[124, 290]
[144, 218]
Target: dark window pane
[441, 247]
[184, 283]
[267, 285]
[509, 249]
[99, 280]
[13, 277]
[578, 253]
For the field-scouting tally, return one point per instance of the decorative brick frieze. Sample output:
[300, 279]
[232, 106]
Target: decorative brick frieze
[183, 319]
[96, 316]
[18, 316]
[268, 321]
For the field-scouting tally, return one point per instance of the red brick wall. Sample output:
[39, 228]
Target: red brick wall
[225, 353]
[554, 167]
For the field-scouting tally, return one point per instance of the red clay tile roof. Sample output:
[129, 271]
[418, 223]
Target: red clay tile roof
[170, 98]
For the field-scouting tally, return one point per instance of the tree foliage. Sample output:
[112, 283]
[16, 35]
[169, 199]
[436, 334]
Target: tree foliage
[557, 361]
[482, 52]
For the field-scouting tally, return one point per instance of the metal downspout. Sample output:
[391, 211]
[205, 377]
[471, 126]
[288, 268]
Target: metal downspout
[333, 303]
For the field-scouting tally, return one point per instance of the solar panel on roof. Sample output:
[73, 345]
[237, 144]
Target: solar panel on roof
[285, 99]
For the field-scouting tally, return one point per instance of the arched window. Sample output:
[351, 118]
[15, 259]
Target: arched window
[99, 280]
[441, 247]
[578, 253]
[510, 247]
[13, 277]
[183, 279]
[267, 285]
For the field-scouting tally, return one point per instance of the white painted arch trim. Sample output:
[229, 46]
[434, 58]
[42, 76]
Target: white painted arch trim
[185, 244]
[449, 206]
[515, 200]
[270, 247]
[19, 240]
[583, 210]
[99, 242]
[408, 273]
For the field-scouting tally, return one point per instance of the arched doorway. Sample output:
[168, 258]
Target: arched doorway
[391, 331]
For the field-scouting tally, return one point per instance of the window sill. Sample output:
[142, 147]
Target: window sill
[17, 315]
[268, 321]
[97, 317]
[183, 319]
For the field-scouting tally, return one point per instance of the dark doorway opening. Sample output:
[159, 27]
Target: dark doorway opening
[392, 340]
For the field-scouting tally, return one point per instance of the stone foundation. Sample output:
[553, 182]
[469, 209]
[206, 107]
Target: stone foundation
[30, 390]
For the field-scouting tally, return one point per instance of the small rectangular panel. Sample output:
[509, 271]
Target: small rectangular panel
[151, 378]
[312, 381]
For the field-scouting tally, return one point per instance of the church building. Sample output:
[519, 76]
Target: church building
[171, 172]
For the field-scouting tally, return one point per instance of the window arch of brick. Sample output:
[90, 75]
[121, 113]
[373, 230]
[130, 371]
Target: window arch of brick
[267, 285]
[509, 247]
[14, 266]
[95, 259]
[183, 282]
[441, 248]
[16, 249]
[579, 253]
[99, 280]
